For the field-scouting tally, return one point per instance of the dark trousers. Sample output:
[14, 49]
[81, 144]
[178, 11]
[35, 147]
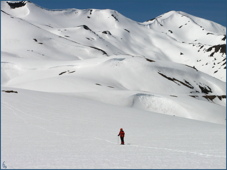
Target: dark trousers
[122, 140]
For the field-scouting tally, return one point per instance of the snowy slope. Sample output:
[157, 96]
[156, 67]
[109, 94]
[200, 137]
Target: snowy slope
[71, 78]
[203, 41]
[73, 133]
[86, 55]
[174, 36]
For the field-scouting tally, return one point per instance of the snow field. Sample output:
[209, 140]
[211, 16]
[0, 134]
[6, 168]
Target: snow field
[72, 78]
[56, 130]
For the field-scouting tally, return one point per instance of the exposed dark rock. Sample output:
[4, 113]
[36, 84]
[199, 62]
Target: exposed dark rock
[217, 48]
[192, 67]
[14, 5]
[170, 31]
[224, 38]
[149, 60]
[187, 84]
[212, 97]
[9, 91]
[71, 71]
[37, 41]
[194, 96]
[99, 50]
[205, 89]
[62, 73]
[127, 30]
[222, 97]
[67, 72]
[110, 87]
[86, 27]
[115, 17]
[212, 54]
[106, 32]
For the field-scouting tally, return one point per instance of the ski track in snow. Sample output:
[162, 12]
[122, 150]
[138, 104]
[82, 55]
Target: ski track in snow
[4, 104]
[15, 110]
[166, 149]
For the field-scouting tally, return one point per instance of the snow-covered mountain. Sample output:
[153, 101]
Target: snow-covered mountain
[166, 69]
[174, 36]
[171, 57]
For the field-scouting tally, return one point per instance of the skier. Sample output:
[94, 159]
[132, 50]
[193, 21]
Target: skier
[122, 135]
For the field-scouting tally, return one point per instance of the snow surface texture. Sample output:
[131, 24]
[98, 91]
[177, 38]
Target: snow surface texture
[71, 78]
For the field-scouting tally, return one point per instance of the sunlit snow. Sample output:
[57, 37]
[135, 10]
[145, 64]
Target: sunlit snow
[72, 78]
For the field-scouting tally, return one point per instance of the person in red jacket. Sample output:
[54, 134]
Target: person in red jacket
[122, 135]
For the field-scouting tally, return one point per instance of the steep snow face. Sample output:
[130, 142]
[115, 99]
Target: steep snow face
[91, 53]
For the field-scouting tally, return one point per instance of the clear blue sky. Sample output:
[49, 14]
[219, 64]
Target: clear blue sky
[142, 10]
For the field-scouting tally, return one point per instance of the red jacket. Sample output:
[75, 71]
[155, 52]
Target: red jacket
[121, 133]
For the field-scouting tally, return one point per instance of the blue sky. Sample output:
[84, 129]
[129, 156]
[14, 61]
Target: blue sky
[142, 10]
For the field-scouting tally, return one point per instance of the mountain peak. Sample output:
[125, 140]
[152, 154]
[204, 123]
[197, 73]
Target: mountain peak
[179, 19]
